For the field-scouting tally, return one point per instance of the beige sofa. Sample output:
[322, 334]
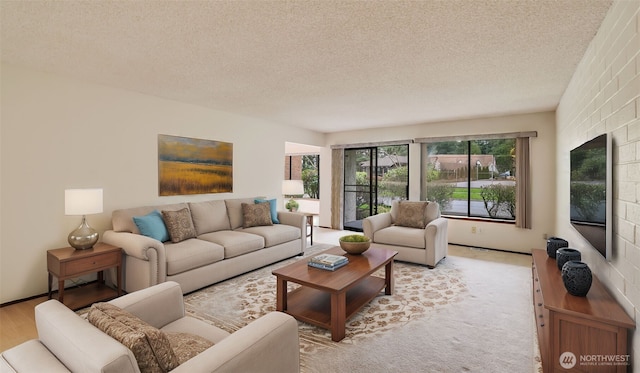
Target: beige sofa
[222, 247]
[69, 343]
[422, 241]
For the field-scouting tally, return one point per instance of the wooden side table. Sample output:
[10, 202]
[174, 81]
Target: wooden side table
[67, 262]
[309, 217]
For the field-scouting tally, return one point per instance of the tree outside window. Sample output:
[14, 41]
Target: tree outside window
[474, 178]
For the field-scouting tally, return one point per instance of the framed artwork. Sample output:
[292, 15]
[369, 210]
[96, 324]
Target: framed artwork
[194, 166]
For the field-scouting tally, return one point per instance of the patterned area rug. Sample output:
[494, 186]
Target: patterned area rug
[419, 291]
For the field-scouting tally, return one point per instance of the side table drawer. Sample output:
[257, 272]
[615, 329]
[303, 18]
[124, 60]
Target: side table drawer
[91, 264]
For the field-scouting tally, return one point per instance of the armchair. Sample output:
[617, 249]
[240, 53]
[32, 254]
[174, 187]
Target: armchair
[418, 237]
[69, 343]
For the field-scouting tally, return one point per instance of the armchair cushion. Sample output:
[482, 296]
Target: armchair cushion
[401, 236]
[411, 214]
[149, 345]
[187, 345]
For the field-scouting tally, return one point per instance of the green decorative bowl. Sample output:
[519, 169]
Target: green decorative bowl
[354, 244]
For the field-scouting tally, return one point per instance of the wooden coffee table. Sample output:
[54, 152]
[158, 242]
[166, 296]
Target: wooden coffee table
[329, 298]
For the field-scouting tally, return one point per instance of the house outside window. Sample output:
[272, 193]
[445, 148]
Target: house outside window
[475, 178]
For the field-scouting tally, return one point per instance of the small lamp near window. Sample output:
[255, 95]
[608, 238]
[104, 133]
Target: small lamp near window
[83, 202]
[291, 189]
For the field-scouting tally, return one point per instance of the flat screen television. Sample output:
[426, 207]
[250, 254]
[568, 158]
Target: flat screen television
[591, 187]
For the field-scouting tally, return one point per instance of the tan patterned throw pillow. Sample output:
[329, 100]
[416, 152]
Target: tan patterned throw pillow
[411, 214]
[255, 215]
[179, 224]
[149, 345]
[187, 345]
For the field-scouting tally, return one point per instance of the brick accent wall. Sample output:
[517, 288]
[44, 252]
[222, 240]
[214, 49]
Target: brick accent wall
[604, 97]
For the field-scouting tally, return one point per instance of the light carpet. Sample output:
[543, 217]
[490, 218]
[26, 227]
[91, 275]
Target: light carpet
[465, 315]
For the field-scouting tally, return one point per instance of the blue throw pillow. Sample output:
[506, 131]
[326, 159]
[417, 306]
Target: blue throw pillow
[273, 203]
[152, 225]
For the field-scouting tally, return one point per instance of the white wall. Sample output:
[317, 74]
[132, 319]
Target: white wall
[59, 133]
[491, 235]
[604, 97]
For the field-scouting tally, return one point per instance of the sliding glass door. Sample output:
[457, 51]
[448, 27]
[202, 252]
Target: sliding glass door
[373, 177]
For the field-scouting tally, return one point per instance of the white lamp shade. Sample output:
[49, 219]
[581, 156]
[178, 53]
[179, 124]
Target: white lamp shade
[292, 187]
[82, 201]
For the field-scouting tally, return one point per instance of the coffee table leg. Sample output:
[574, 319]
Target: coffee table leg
[388, 278]
[338, 316]
[281, 295]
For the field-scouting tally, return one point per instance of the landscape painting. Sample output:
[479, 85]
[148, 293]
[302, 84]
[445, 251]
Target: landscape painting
[194, 166]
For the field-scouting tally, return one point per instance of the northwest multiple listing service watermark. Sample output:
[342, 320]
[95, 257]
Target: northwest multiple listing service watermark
[569, 360]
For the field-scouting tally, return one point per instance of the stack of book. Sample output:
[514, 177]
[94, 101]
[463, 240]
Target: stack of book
[329, 262]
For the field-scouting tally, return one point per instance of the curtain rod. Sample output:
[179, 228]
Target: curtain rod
[489, 136]
[370, 144]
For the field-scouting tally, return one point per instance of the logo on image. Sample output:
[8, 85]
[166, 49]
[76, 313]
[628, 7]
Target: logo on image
[568, 360]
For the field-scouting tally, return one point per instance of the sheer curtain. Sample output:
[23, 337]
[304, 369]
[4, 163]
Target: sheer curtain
[337, 177]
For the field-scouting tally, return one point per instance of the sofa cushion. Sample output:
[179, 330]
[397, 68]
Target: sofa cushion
[152, 225]
[255, 215]
[234, 209]
[187, 345]
[122, 219]
[273, 205]
[275, 234]
[149, 345]
[179, 224]
[235, 242]
[209, 216]
[401, 236]
[411, 214]
[190, 254]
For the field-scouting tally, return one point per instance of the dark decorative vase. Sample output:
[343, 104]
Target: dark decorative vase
[566, 254]
[577, 278]
[553, 244]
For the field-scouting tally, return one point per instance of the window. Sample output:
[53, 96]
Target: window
[307, 169]
[472, 178]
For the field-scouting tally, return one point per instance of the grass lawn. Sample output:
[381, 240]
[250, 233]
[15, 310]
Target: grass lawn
[461, 194]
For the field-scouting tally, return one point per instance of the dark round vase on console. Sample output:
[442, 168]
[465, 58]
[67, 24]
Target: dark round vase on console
[577, 278]
[566, 254]
[555, 243]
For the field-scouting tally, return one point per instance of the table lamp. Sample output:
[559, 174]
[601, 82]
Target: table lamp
[290, 189]
[83, 202]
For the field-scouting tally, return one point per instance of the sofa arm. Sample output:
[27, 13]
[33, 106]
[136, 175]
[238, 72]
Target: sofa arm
[158, 305]
[30, 356]
[436, 227]
[372, 224]
[133, 244]
[267, 345]
[143, 248]
[80, 346]
[436, 240]
[297, 220]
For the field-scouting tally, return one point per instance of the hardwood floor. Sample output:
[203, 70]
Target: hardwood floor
[17, 321]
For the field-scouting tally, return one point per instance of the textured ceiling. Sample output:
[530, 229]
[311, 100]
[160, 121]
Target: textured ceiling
[324, 65]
